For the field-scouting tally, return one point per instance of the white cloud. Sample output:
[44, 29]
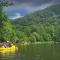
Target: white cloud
[18, 15]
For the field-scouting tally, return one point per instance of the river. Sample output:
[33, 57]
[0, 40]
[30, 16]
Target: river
[34, 52]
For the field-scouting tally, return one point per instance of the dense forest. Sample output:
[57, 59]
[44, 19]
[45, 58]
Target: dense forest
[41, 26]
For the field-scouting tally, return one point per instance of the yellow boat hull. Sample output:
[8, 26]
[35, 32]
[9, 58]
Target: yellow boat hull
[8, 49]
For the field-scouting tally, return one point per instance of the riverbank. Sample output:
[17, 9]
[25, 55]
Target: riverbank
[28, 43]
[48, 42]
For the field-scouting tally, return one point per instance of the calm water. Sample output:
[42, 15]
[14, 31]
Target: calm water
[34, 52]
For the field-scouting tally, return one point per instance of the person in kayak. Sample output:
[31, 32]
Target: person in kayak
[9, 44]
[3, 44]
[6, 44]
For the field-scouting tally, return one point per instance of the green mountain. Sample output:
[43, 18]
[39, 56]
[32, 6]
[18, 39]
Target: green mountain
[42, 25]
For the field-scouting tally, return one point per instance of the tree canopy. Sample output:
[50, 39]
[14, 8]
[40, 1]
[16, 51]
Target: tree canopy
[42, 25]
[5, 25]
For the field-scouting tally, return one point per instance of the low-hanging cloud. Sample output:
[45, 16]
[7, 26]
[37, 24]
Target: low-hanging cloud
[33, 2]
[24, 7]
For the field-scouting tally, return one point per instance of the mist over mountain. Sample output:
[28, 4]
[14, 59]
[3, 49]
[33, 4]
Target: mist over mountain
[45, 14]
[24, 7]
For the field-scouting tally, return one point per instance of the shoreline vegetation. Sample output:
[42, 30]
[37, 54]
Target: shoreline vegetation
[47, 42]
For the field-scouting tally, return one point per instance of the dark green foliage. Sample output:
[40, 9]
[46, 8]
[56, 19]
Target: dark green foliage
[5, 26]
[6, 29]
[40, 26]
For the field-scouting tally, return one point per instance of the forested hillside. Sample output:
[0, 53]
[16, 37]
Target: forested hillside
[42, 25]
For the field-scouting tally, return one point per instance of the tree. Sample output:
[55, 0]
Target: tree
[5, 25]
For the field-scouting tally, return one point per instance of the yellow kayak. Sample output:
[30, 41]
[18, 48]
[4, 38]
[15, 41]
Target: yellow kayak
[8, 49]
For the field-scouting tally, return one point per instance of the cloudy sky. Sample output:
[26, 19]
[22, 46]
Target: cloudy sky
[24, 7]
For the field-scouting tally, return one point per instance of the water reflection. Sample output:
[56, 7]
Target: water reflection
[34, 52]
